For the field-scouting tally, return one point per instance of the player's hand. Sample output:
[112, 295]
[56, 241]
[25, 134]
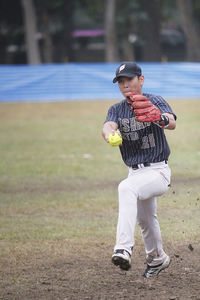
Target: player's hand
[143, 108]
[114, 138]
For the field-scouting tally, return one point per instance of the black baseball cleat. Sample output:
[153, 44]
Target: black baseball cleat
[155, 270]
[122, 258]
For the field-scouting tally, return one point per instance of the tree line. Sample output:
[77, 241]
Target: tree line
[42, 31]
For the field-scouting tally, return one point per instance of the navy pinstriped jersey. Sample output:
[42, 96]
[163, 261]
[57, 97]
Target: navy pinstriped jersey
[142, 142]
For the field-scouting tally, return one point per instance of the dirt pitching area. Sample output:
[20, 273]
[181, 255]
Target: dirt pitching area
[64, 273]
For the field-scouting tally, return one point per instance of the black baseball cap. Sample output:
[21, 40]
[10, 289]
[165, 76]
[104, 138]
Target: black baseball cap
[127, 69]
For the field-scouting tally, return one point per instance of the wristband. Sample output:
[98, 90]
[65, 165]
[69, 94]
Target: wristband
[163, 122]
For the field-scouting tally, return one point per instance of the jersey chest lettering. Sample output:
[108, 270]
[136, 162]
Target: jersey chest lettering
[130, 125]
[129, 128]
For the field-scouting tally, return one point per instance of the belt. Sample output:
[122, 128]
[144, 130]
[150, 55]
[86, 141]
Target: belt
[146, 164]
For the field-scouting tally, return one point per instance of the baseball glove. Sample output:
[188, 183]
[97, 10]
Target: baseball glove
[144, 110]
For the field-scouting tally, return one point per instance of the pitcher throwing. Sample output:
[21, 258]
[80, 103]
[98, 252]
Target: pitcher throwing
[141, 120]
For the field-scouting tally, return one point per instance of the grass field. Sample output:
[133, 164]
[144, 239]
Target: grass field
[58, 185]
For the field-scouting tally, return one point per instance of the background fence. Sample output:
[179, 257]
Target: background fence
[93, 81]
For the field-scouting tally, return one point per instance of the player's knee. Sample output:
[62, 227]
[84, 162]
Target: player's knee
[141, 222]
[125, 188]
[145, 222]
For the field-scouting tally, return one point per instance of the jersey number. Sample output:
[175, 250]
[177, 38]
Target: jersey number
[148, 141]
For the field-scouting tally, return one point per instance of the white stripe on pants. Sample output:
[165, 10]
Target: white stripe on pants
[137, 200]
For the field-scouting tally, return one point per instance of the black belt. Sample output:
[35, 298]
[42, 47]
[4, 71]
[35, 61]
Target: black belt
[135, 167]
[145, 164]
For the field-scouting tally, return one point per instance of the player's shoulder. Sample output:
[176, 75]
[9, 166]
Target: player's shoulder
[155, 99]
[119, 105]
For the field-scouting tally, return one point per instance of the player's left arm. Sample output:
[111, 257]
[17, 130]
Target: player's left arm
[172, 121]
[167, 114]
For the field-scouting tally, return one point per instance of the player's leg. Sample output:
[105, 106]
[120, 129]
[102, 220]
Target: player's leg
[126, 225]
[142, 184]
[127, 216]
[148, 222]
[157, 259]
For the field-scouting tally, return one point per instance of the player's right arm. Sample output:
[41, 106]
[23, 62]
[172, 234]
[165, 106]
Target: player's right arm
[108, 128]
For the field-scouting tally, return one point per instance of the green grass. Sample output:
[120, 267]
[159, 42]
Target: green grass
[59, 178]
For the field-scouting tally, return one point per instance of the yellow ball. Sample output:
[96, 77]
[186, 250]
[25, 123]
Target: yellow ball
[114, 140]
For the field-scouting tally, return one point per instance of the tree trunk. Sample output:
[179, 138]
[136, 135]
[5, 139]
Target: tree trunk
[67, 52]
[33, 54]
[47, 48]
[111, 51]
[190, 30]
[150, 30]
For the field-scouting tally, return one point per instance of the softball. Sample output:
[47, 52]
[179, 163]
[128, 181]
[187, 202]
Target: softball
[114, 140]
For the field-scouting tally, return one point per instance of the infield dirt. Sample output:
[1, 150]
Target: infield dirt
[89, 274]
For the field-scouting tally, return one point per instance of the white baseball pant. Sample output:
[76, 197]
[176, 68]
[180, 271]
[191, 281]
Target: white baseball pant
[137, 201]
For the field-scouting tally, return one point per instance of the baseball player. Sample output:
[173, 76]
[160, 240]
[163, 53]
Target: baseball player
[140, 120]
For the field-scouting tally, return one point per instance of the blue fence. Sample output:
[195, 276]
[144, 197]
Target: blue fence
[93, 81]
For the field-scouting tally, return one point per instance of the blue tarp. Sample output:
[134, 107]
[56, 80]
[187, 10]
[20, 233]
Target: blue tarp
[93, 81]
